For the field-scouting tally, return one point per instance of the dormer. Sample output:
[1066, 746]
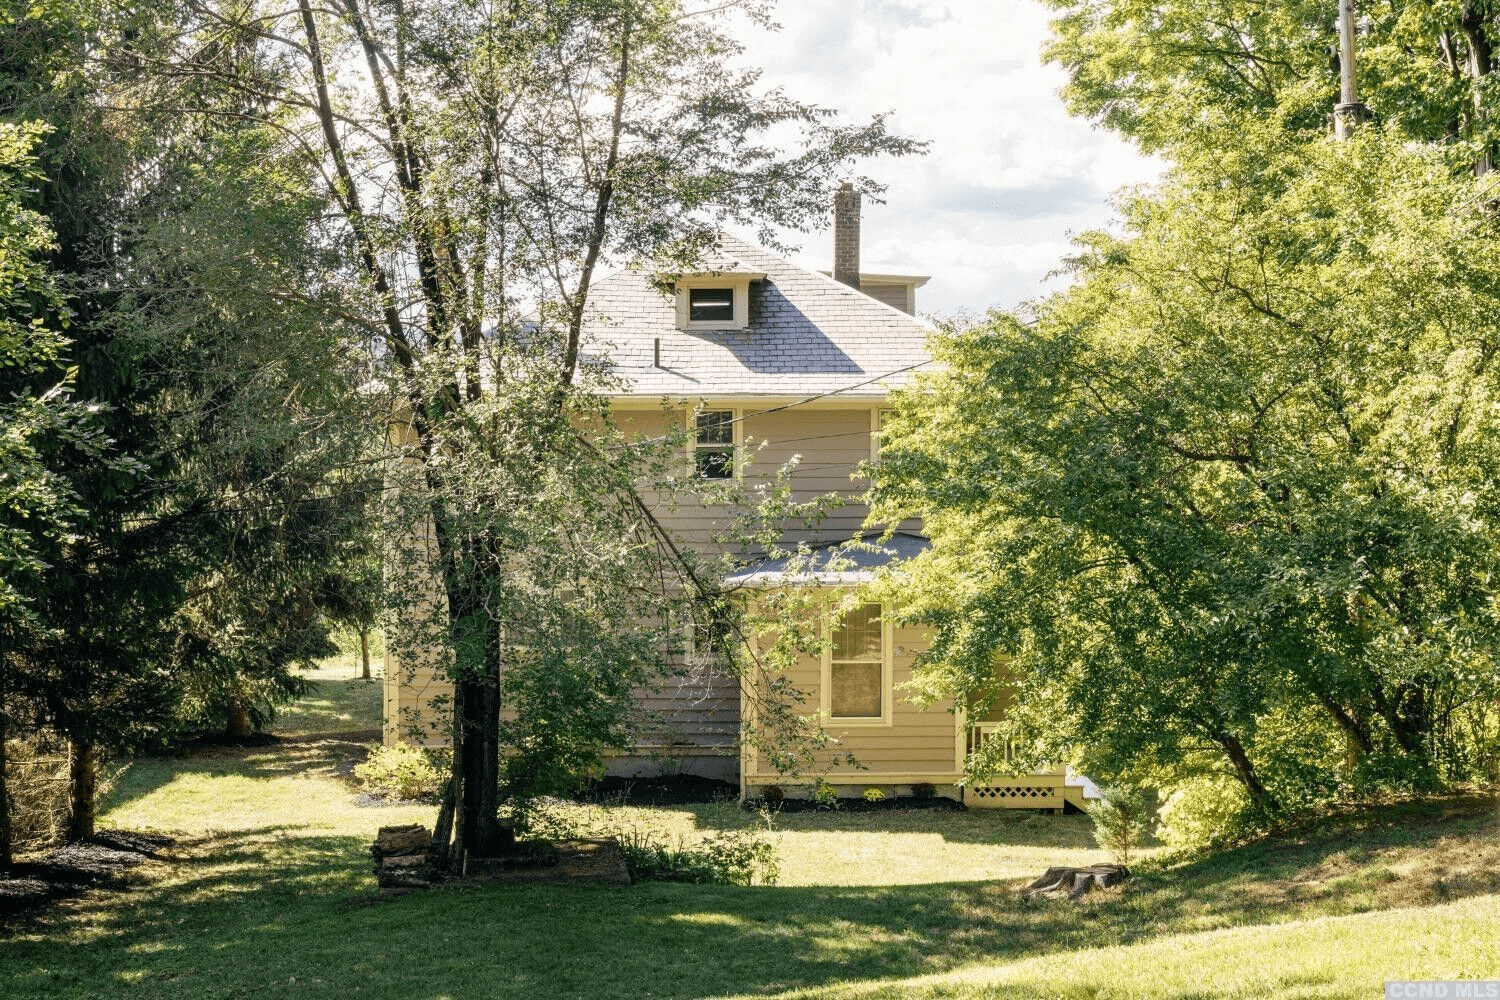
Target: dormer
[898, 291]
[718, 300]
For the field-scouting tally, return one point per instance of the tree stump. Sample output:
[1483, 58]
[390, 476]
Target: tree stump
[1077, 881]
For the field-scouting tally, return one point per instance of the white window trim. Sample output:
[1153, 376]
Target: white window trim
[877, 424]
[739, 282]
[692, 442]
[887, 671]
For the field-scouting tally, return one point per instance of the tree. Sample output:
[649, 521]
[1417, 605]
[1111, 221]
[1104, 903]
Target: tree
[1229, 501]
[484, 162]
[1157, 71]
[202, 343]
[34, 502]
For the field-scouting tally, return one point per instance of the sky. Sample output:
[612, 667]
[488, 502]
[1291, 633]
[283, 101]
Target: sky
[1009, 174]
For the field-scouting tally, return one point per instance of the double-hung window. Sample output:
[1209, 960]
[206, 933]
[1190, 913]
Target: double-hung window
[713, 445]
[857, 679]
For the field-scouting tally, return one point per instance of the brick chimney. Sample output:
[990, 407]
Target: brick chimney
[846, 235]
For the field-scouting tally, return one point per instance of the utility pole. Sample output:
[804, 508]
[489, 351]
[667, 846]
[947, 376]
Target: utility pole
[1348, 112]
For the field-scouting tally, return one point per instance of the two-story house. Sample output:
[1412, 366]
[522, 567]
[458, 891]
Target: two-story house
[759, 360]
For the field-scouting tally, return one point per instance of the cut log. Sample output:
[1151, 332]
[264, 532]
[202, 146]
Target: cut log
[1077, 881]
[407, 872]
[396, 841]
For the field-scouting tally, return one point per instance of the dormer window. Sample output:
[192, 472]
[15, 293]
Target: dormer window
[710, 305]
[718, 301]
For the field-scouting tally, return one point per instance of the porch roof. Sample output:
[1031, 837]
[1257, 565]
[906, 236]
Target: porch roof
[843, 562]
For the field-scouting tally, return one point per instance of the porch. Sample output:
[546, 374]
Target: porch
[1054, 787]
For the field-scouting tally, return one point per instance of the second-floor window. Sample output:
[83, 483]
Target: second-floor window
[713, 445]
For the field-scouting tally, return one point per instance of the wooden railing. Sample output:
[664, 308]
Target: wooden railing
[982, 733]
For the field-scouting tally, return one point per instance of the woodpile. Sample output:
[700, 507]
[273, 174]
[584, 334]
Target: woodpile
[400, 856]
[1077, 881]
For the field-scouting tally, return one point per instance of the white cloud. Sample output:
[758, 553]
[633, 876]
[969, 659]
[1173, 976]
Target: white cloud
[1009, 175]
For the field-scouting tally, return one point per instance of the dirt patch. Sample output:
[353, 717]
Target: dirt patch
[558, 862]
[103, 861]
[564, 862]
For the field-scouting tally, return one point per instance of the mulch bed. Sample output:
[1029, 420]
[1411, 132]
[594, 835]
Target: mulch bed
[569, 862]
[665, 790]
[894, 802]
[689, 789]
[103, 861]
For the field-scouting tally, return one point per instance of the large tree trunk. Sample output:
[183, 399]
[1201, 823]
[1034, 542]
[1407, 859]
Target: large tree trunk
[83, 781]
[364, 654]
[1475, 20]
[474, 787]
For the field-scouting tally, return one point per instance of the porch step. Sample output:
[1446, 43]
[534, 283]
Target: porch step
[1073, 779]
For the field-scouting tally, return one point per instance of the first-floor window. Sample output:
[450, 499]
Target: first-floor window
[856, 681]
[713, 445]
[711, 629]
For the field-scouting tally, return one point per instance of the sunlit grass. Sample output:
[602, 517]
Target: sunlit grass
[1325, 957]
[341, 701]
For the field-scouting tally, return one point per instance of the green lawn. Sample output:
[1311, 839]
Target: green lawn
[340, 700]
[275, 900]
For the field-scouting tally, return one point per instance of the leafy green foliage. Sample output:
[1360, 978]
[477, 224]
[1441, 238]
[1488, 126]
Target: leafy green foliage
[401, 772]
[1229, 502]
[1161, 72]
[1205, 813]
[724, 857]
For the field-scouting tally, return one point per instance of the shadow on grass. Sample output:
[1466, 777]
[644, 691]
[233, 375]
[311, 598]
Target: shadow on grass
[275, 911]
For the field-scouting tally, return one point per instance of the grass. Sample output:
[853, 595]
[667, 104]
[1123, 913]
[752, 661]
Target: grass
[340, 700]
[274, 899]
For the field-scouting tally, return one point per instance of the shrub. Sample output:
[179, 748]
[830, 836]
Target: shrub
[1205, 812]
[1121, 820]
[725, 857]
[824, 795]
[772, 795]
[874, 795]
[399, 772]
[924, 790]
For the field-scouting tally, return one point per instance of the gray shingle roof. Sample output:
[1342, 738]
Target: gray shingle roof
[808, 334]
